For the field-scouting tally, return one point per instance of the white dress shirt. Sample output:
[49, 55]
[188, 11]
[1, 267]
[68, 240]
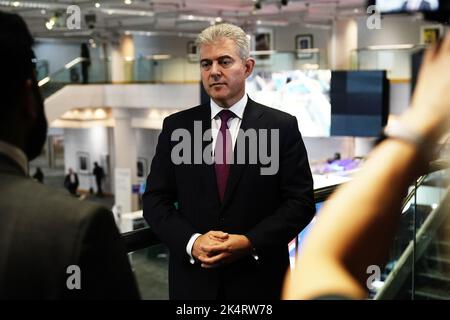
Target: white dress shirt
[234, 124]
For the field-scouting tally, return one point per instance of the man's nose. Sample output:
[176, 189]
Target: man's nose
[216, 70]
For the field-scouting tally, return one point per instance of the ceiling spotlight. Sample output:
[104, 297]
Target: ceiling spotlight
[97, 5]
[50, 23]
[127, 1]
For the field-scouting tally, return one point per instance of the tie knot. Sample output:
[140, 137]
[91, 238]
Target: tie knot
[226, 115]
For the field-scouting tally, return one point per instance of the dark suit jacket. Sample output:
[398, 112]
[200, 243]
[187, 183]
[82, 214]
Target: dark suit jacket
[269, 209]
[44, 231]
[68, 184]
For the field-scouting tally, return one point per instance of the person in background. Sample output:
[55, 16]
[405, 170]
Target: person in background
[39, 175]
[71, 182]
[357, 225]
[99, 174]
[86, 63]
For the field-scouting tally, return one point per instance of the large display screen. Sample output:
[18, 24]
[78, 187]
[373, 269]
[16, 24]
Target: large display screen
[360, 103]
[325, 103]
[392, 6]
[304, 94]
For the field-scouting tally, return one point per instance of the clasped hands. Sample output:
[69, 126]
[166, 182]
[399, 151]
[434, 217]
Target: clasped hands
[217, 248]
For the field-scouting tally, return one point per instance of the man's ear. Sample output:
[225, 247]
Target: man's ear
[249, 65]
[28, 101]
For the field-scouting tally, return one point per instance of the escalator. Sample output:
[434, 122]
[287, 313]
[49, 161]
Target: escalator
[432, 271]
[419, 263]
[71, 73]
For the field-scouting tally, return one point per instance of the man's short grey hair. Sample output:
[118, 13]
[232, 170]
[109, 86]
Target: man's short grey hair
[228, 31]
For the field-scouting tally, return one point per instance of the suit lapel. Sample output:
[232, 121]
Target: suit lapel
[249, 121]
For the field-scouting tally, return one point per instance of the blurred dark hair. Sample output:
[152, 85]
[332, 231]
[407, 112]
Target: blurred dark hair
[16, 56]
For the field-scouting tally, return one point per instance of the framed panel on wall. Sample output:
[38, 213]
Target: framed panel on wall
[262, 43]
[303, 42]
[431, 34]
[192, 52]
[83, 162]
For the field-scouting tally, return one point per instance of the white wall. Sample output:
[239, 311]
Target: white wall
[176, 70]
[94, 142]
[344, 40]
[176, 46]
[394, 30]
[98, 143]
[146, 141]
[284, 37]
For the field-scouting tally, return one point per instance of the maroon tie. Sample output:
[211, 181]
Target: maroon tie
[223, 152]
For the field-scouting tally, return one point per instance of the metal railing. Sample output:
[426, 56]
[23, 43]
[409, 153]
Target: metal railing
[145, 237]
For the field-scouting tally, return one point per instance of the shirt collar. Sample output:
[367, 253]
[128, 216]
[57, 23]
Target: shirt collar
[16, 154]
[237, 108]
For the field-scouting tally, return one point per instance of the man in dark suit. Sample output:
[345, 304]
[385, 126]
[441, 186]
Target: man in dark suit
[71, 182]
[99, 174]
[51, 245]
[226, 221]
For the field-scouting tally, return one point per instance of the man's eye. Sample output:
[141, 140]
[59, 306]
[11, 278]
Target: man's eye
[205, 64]
[226, 62]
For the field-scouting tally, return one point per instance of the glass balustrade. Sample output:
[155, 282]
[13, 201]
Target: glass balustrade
[414, 249]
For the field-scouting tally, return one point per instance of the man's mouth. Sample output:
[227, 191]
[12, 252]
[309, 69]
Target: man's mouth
[217, 84]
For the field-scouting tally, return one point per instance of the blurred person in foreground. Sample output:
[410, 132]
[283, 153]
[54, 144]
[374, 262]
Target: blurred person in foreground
[357, 225]
[46, 235]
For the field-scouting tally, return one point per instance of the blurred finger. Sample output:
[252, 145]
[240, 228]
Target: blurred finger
[213, 260]
[215, 238]
[212, 249]
[219, 234]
